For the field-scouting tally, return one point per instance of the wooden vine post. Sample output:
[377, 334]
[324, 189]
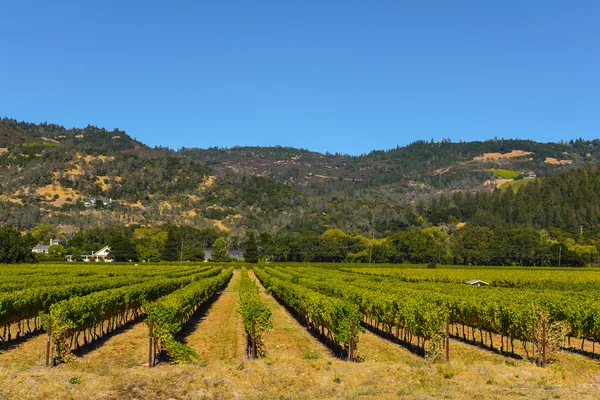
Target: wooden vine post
[447, 341]
[49, 342]
[351, 343]
[253, 340]
[544, 342]
[150, 343]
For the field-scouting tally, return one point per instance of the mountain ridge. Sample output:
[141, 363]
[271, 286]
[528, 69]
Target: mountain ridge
[47, 172]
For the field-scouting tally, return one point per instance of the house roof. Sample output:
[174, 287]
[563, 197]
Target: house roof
[101, 251]
[41, 247]
[476, 281]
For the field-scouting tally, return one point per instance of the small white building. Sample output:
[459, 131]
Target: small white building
[92, 201]
[100, 255]
[477, 282]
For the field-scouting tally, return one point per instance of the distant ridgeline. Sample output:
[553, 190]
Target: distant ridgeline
[53, 175]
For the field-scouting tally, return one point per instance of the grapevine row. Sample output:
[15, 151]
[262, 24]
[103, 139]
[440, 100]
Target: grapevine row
[106, 310]
[255, 314]
[335, 320]
[167, 315]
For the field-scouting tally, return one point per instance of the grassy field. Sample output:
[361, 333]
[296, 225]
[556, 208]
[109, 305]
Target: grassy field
[516, 185]
[297, 366]
[504, 173]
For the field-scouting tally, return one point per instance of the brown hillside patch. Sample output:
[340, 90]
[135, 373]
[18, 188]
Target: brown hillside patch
[75, 170]
[100, 180]
[441, 171]
[89, 158]
[497, 182]
[208, 181]
[136, 204]
[501, 156]
[219, 224]
[49, 191]
[45, 139]
[3, 150]
[554, 161]
[10, 199]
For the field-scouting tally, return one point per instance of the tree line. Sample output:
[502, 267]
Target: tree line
[468, 245]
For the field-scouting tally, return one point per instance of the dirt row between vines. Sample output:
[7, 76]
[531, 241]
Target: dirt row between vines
[297, 366]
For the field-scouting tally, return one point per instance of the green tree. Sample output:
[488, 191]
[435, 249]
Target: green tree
[251, 253]
[172, 249]
[150, 242]
[266, 245]
[44, 232]
[57, 251]
[15, 248]
[219, 250]
[123, 249]
[193, 248]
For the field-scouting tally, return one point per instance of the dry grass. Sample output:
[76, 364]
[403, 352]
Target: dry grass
[208, 181]
[296, 366]
[554, 161]
[50, 190]
[219, 336]
[502, 156]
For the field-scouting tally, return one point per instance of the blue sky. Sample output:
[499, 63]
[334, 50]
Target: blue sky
[339, 76]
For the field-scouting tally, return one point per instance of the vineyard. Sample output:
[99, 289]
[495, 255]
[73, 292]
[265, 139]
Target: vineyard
[353, 318]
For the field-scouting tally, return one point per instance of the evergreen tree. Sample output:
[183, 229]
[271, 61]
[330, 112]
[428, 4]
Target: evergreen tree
[193, 250]
[219, 250]
[172, 249]
[267, 245]
[251, 254]
[123, 249]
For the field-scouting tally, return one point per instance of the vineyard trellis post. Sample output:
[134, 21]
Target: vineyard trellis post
[150, 343]
[253, 341]
[49, 342]
[447, 341]
[544, 343]
[351, 342]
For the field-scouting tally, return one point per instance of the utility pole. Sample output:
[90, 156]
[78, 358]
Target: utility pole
[181, 254]
[371, 247]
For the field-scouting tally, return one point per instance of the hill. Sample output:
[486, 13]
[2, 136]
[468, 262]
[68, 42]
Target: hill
[49, 173]
[436, 166]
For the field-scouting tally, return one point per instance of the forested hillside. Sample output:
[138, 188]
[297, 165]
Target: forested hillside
[91, 177]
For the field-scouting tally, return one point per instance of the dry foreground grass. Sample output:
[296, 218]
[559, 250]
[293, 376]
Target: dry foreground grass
[297, 366]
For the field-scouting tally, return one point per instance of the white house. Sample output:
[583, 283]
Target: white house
[43, 248]
[100, 255]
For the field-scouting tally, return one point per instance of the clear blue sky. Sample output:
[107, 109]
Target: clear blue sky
[340, 76]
